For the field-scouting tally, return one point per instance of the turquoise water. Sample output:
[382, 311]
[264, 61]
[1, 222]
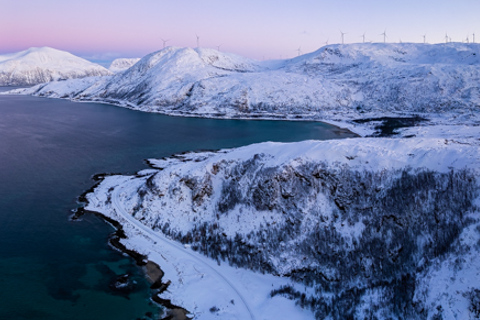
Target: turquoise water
[54, 268]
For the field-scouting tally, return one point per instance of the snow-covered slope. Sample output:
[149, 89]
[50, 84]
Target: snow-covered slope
[336, 82]
[372, 227]
[39, 65]
[122, 64]
[355, 228]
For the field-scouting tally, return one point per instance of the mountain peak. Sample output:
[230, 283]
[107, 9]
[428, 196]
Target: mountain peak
[43, 64]
[200, 58]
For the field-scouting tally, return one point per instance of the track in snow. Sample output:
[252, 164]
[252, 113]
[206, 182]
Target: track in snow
[179, 249]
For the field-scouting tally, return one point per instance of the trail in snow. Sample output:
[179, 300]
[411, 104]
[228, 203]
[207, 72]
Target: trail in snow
[179, 249]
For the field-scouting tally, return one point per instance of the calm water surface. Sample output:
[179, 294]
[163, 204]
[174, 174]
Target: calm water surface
[53, 268]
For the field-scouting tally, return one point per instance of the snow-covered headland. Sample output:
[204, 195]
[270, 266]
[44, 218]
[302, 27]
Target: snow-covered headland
[337, 84]
[40, 65]
[353, 228]
[371, 227]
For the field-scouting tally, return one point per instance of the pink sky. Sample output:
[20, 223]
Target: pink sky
[262, 29]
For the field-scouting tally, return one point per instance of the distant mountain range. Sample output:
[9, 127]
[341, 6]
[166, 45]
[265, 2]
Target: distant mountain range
[122, 64]
[39, 65]
[334, 82]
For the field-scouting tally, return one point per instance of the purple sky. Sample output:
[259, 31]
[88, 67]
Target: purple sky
[261, 29]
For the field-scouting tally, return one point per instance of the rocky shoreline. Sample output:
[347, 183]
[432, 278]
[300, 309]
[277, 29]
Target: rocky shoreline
[410, 190]
[153, 272]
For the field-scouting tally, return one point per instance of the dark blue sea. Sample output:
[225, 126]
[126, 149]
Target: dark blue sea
[54, 268]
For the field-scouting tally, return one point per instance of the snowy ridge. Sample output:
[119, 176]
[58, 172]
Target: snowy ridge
[122, 64]
[335, 83]
[397, 213]
[39, 65]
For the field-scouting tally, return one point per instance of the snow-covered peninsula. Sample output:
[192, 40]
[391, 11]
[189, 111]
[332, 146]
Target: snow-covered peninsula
[354, 228]
[40, 65]
[337, 83]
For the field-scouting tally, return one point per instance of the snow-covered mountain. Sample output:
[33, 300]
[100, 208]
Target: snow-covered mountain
[122, 64]
[40, 65]
[335, 82]
[373, 227]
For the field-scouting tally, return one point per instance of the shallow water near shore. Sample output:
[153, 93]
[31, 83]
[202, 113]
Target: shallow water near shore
[54, 268]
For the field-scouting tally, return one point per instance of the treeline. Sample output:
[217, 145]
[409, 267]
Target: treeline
[384, 229]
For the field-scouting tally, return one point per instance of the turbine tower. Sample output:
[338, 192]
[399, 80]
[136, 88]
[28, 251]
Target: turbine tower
[424, 38]
[198, 40]
[473, 40]
[384, 34]
[363, 37]
[326, 42]
[343, 36]
[299, 51]
[446, 37]
[218, 47]
[164, 42]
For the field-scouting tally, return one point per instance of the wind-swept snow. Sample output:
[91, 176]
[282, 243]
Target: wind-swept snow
[39, 65]
[336, 83]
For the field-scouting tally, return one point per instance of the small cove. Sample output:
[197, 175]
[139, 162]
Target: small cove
[54, 268]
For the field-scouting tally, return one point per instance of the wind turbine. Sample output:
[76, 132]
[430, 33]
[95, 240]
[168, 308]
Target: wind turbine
[473, 40]
[446, 37]
[343, 36]
[384, 34]
[299, 51]
[326, 42]
[424, 38]
[363, 37]
[218, 47]
[164, 42]
[198, 40]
